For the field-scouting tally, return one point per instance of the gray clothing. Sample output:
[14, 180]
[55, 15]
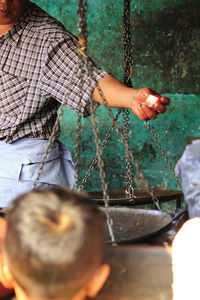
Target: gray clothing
[188, 171]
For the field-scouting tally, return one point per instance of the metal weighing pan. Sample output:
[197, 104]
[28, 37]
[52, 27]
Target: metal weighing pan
[133, 225]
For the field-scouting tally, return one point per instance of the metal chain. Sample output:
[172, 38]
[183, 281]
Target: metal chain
[129, 182]
[82, 52]
[100, 161]
[128, 65]
[127, 44]
[52, 139]
[82, 32]
[155, 199]
[117, 128]
[128, 62]
[87, 66]
[155, 138]
[77, 151]
[95, 159]
[78, 129]
[82, 17]
[128, 69]
[151, 192]
[130, 191]
[126, 120]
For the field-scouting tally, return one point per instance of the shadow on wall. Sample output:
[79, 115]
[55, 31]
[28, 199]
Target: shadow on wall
[167, 46]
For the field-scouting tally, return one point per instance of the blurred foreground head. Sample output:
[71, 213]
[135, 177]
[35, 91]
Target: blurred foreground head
[54, 245]
[186, 261]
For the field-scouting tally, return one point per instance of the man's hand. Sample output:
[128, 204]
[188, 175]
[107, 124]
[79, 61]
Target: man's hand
[147, 104]
[144, 103]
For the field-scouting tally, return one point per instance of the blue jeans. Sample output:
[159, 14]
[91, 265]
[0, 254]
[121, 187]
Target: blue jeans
[20, 162]
[188, 171]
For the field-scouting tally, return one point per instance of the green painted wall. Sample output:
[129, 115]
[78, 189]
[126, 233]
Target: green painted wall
[166, 58]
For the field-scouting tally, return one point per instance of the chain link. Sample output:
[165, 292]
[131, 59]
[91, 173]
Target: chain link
[155, 138]
[127, 44]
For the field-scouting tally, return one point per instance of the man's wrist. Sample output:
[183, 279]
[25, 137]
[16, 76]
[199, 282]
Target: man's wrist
[132, 98]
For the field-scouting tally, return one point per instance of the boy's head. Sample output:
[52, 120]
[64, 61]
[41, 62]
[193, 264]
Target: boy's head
[186, 262]
[53, 245]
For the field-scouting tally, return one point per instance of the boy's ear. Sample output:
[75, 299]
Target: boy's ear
[97, 281]
[5, 276]
[3, 230]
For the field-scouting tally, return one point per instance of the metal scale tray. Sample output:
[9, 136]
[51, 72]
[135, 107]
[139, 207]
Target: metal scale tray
[132, 225]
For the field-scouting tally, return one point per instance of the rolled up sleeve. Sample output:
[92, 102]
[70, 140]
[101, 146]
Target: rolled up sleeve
[64, 80]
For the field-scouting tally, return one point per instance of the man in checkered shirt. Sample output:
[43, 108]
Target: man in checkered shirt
[38, 59]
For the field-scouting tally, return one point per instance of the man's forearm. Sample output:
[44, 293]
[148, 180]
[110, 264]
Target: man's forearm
[115, 92]
[119, 95]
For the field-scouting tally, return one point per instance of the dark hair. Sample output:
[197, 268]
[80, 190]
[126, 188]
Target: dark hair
[54, 242]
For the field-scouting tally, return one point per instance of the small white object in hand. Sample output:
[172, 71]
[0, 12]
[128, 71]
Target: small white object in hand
[152, 100]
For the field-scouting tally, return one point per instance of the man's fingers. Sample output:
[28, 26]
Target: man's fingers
[157, 103]
[150, 113]
[164, 100]
[144, 112]
[161, 109]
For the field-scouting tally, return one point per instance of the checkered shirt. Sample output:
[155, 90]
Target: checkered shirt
[38, 59]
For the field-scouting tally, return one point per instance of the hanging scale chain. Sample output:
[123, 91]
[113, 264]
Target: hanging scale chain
[82, 52]
[128, 68]
[155, 138]
[127, 44]
[86, 67]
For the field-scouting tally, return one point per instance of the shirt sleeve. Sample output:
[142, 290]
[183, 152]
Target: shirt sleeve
[64, 79]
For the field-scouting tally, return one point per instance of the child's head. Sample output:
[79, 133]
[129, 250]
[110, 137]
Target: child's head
[54, 245]
[186, 261]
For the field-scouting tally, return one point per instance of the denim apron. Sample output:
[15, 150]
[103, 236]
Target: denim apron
[20, 162]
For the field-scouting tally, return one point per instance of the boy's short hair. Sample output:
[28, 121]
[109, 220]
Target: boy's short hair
[54, 242]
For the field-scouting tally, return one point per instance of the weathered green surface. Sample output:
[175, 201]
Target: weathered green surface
[166, 58]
